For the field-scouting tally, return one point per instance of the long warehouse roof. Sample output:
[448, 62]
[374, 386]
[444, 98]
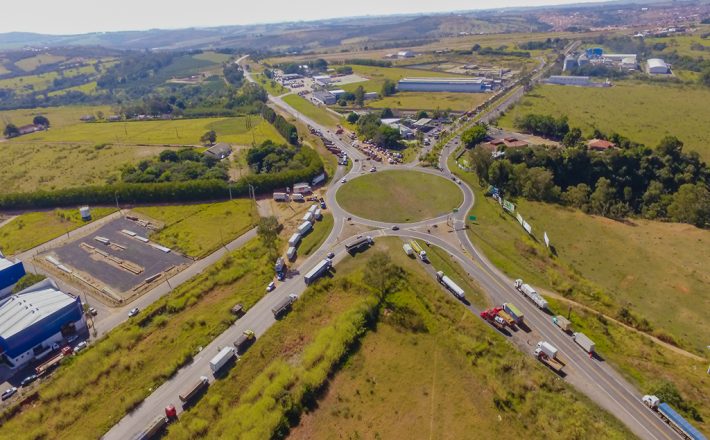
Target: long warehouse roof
[444, 80]
[19, 311]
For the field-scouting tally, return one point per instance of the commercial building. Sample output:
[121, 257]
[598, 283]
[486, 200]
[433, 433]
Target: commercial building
[337, 93]
[462, 85]
[405, 54]
[619, 57]
[219, 151]
[629, 63]
[657, 66]
[325, 98]
[32, 320]
[302, 188]
[569, 64]
[600, 145]
[10, 273]
[322, 80]
[569, 80]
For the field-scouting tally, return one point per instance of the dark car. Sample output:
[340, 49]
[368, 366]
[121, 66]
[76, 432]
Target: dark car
[8, 393]
[395, 228]
[28, 380]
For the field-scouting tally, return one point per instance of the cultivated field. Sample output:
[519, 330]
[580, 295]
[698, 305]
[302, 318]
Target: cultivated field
[320, 115]
[52, 166]
[399, 196]
[636, 110]
[175, 132]
[58, 116]
[34, 228]
[430, 101]
[30, 64]
[198, 230]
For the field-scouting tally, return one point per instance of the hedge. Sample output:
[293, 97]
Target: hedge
[194, 190]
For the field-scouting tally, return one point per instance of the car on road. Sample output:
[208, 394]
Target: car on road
[322, 205]
[271, 286]
[28, 380]
[93, 311]
[8, 393]
[80, 346]
[331, 255]
[280, 276]
[343, 180]
[373, 169]
[134, 311]
[395, 228]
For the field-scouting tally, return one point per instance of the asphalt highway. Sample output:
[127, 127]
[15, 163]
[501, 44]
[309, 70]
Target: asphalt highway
[592, 376]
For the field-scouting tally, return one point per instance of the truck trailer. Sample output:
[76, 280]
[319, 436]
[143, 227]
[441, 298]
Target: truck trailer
[547, 353]
[419, 251]
[221, 359]
[449, 284]
[670, 416]
[284, 305]
[244, 341]
[155, 427]
[527, 290]
[295, 238]
[187, 395]
[318, 271]
[358, 243]
[562, 322]
[305, 228]
[514, 312]
[408, 250]
[583, 341]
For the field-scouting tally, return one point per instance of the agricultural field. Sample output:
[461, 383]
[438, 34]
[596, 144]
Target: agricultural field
[31, 229]
[312, 241]
[171, 132]
[29, 83]
[427, 365]
[140, 354]
[200, 229]
[87, 88]
[30, 64]
[682, 44]
[58, 116]
[658, 282]
[633, 109]
[430, 101]
[30, 167]
[272, 87]
[320, 115]
[399, 196]
[213, 57]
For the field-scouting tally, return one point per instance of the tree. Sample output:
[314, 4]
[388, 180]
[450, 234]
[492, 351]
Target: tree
[389, 88]
[474, 136]
[209, 137]
[603, 197]
[705, 77]
[381, 274]
[11, 131]
[99, 115]
[41, 120]
[537, 184]
[168, 156]
[359, 96]
[268, 229]
[481, 160]
[387, 137]
[386, 113]
[691, 204]
[572, 137]
[352, 117]
[422, 114]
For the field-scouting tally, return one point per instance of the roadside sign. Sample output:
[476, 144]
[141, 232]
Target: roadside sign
[472, 218]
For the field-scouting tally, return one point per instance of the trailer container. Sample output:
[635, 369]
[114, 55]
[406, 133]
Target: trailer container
[449, 284]
[506, 317]
[281, 197]
[527, 290]
[313, 209]
[408, 250]
[297, 197]
[194, 390]
[283, 306]
[562, 323]
[291, 253]
[295, 238]
[221, 359]
[308, 217]
[419, 251]
[514, 312]
[358, 243]
[155, 427]
[318, 271]
[583, 341]
[318, 214]
[547, 348]
[304, 228]
[280, 265]
[670, 416]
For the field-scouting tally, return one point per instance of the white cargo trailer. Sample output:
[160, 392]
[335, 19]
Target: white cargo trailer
[304, 228]
[449, 284]
[295, 238]
[583, 341]
[225, 355]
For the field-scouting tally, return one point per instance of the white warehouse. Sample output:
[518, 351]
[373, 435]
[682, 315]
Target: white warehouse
[464, 85]
[657, 66]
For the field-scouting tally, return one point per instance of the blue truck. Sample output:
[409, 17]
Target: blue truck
[670, 416]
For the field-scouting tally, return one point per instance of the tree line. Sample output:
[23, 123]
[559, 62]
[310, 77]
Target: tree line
[663, 183]
[285, 128]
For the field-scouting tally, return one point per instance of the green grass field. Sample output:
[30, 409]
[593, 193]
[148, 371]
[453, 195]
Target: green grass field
[312, 241]
[214, 57]
[87, 88]
[318, 114]
[272, 87]
[34, 228]
[175, 132]
[399, 196]
[140, 354]
[30, 64]
[636, 110]
[198, 230]
[54, 166]
[58, 116]
[430, 101]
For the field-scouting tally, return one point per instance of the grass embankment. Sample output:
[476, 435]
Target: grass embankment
[320, 232]
[463, 372]
[34, 228]
[123, 367]
[271, 86]
[441, 261]
[320, 115]
[198, 230]
[399, 196]
[175, 132]
[648, 268]
[640, 111]
[431, 101]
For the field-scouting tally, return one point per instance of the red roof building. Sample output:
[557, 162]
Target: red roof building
[600, 145]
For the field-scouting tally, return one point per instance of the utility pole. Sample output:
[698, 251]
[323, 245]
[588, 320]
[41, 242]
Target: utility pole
[115, 194]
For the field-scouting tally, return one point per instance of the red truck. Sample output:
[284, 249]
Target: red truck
[53, 362]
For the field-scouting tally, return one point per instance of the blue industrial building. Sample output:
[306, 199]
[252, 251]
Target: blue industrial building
[463, 85]
[10, 273]
[34, 319]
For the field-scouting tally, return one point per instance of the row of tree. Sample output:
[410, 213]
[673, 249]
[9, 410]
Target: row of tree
[285, 128]
[660, 183]
[175, 166]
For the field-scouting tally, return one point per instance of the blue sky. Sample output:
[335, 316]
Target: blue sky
[80, 16]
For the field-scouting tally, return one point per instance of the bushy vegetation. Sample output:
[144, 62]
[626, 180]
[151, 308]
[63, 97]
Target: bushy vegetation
[26, 281]
[369, 62]
[371, 127]
[285, 128]
[500, 51]
[176, 166]
[548, 43]
[543, 125]
[273, 158]
[663, 183]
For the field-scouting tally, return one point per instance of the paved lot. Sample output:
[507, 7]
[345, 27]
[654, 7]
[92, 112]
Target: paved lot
[152, 260]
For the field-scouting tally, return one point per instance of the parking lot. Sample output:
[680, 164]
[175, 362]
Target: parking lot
[121, 265]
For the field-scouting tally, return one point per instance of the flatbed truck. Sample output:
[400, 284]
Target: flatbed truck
[547, 354]
[187, 395]
[284, 305]
[358, 244]
[419, 251]
[53, 361]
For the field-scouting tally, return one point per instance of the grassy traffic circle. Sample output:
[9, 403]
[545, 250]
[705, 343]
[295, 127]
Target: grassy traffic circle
[399, 196]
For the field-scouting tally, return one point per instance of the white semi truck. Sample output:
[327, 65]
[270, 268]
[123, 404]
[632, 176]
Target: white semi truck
[221, 359]
[527, 290]
[449, 284]
[583, 341]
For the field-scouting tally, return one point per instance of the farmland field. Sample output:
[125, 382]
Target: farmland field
[275, 90]
[198, 230]
[636, 110]
[34, 228]
[320, 115]
[175, 132]
[30, 64]
[29, 167]
[58, 116]
[399, 196]
[87, 88]
[213, 57]
[430, 101]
